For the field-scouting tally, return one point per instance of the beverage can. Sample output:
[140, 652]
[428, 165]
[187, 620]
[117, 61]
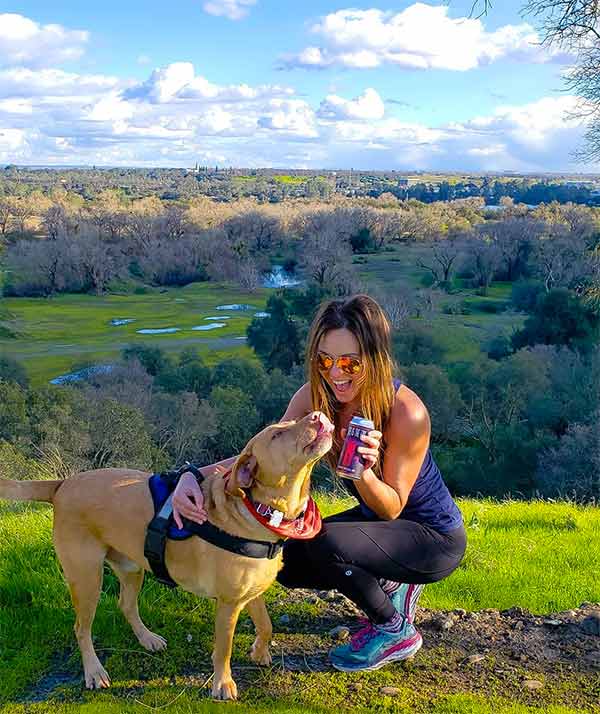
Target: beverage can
[350, 464]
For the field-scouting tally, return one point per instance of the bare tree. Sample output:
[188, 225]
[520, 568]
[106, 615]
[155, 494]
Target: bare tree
[514, 239]
[398, 304]
[483, 257]
[6, 214]
[560, 258]
[443, 256]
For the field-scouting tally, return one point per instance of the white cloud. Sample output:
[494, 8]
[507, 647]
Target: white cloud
[368, 106]
[27, 43]
[290, 116]
[420, 37]
[232, 9]
[22, 82]
[177, 82]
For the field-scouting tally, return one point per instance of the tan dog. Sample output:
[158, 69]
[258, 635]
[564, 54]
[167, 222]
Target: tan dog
[102, 515]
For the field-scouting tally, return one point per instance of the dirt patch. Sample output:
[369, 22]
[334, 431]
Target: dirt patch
[568, 640]
[514, 654]
[60, 674]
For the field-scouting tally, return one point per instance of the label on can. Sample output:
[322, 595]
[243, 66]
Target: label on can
[350, 463]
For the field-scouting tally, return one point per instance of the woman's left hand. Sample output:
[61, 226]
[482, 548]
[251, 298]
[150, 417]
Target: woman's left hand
[370, 452]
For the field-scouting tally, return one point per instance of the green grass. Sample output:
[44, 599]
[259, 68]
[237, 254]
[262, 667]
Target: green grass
[540, 556]
[58, 333]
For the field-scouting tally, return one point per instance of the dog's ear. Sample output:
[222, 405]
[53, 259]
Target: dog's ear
[242, 474]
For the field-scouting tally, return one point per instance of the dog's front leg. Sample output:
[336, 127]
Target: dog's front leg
[225, 621]
[264, 630]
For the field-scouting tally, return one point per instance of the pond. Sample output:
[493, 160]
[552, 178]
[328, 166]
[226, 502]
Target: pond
[158, 331]
[212, 326]
[116, 321]
[82, 373]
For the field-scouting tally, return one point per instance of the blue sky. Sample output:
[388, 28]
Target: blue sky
[382, 85]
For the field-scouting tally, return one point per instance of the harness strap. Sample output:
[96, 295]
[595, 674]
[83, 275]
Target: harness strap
[156, 542]
[235, 544]
[158, 530]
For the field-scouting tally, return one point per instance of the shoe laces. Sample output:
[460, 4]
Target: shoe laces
[360, 638]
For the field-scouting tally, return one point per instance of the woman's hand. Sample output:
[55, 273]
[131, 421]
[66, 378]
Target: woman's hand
[370, 452]
[188, 501]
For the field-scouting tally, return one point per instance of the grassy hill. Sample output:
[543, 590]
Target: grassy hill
[541, 557]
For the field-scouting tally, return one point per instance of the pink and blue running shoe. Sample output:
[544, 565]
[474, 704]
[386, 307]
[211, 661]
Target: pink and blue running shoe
[373, 647]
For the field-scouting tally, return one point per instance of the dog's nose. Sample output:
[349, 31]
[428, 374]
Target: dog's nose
[315, 416]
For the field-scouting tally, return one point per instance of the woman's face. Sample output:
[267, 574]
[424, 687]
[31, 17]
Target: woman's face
[336, 343]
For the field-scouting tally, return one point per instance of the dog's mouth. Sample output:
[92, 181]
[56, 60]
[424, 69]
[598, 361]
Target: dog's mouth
[322, 433]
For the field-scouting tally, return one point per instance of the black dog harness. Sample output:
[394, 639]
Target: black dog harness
[161, 528]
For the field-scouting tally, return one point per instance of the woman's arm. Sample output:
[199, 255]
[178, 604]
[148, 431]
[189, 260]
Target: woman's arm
[408, 436]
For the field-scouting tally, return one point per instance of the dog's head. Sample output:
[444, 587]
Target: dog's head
[276, 463]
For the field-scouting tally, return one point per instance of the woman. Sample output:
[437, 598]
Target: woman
[406, 531]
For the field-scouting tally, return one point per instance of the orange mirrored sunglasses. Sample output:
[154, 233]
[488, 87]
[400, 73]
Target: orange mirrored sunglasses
[347, 363]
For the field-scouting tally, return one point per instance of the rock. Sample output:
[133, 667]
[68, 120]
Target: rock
[446, 624]
[330, 595]
[340, 633]
[313, 599]
[460, 612]
[591, 624]
[552, 623]
[474, 659]
[284, 620]
[390, 691]
[355, 686]
[532, 684]
[592, 659]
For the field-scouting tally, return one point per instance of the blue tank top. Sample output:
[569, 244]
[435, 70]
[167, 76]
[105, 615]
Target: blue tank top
[429, 501]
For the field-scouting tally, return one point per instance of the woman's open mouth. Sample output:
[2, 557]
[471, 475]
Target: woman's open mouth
[341, 386]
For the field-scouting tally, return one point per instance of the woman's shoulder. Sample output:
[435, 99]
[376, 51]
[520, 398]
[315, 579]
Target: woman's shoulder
[409, 413]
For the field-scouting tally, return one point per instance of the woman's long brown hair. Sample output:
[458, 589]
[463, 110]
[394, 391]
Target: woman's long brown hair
[366, 320]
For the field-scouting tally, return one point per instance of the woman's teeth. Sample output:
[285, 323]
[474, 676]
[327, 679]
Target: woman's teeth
[342, 386]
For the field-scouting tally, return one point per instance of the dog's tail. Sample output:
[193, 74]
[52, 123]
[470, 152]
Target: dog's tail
[28, 490]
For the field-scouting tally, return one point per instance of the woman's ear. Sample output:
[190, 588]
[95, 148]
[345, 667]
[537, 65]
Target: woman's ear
[242, 474]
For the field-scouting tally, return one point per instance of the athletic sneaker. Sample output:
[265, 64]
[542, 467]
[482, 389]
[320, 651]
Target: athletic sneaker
[373, 647]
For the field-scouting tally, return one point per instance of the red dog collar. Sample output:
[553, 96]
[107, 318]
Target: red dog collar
[306, 525]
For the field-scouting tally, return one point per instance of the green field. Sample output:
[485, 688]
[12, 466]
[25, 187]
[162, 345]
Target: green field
[55, 335]
[539, 556]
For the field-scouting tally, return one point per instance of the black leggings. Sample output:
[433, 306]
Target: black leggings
[351, 554]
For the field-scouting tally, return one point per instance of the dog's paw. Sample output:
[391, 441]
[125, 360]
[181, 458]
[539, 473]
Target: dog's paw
[224, 689]
[96, 677]
[152, 642]
[260, 654]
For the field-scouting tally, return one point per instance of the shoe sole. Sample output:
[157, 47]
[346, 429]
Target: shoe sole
[395, 657]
